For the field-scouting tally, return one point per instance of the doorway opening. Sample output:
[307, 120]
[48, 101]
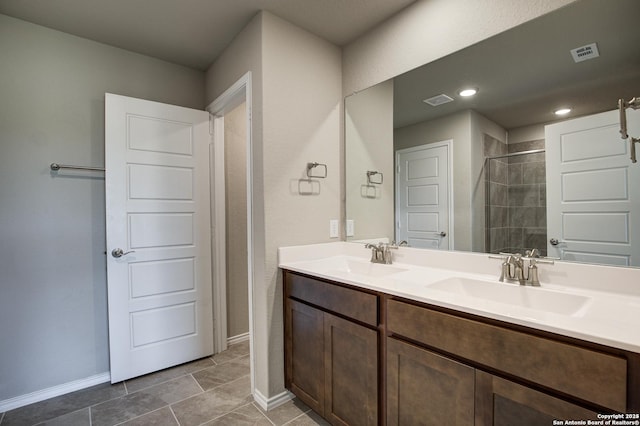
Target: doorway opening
[232, 239]
[235, 171]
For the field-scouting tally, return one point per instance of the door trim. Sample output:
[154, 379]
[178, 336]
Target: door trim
[238, 92]
[218, 239]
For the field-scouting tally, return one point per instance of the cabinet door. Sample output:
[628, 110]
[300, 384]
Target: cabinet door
[351, 372]
[427, 389]
[304, 353]
[501, 402]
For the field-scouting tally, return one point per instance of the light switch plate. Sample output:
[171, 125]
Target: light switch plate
[350, 228]
[334, 231]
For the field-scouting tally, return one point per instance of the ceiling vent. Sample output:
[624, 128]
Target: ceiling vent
[438, 100]
[584, 53]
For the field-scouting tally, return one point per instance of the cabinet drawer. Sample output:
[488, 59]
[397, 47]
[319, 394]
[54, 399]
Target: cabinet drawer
[584, 373]
[351, 303]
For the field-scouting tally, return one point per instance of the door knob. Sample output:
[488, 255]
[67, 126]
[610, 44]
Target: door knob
[441, 234]
[119, 252]
[554, 241]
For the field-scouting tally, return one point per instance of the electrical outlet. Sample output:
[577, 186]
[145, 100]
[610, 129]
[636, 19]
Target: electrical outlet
[334, 230]
[350, 228]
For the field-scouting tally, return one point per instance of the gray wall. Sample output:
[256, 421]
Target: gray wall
[53, 307]
[302, 119]
[296, 118]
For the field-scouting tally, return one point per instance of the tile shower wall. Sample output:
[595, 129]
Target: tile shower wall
[516, 206]
[527, 198]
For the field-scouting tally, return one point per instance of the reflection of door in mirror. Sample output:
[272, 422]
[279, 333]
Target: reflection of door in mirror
[423, 194]
[593, 190]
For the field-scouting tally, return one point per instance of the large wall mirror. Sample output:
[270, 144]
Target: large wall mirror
[499, 171]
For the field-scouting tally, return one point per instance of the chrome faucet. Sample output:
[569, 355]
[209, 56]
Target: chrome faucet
[513, 267]
[381, 252]
[376, 252]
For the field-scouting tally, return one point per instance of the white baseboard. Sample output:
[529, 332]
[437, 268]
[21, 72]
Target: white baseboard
[237, 339]
[273, 402]
[41, 395]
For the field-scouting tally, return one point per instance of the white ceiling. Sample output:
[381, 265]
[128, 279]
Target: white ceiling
[194, 32]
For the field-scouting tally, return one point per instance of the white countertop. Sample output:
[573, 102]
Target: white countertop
[598, 304]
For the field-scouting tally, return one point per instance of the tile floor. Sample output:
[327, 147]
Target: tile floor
[210, 391]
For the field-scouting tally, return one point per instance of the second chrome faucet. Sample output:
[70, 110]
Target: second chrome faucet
[514, 269]
[381, 252]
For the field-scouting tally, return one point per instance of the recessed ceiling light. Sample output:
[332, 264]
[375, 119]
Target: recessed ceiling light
[467, 92]
[562, 111]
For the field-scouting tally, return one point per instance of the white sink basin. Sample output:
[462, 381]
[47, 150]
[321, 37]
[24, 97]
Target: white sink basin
[536, 298]
[357, 267]
[347, 267]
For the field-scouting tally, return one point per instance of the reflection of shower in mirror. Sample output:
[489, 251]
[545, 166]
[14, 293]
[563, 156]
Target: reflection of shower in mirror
[515, 198]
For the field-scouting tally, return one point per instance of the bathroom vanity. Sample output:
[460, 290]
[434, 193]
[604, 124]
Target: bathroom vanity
[406, 344]
[331, 348]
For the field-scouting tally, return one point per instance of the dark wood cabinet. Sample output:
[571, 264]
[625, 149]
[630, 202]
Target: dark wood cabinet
[500, 402]
[429, 389]
[424, 388]
[305, 353]
[522, 376]
[351, 372]
[567, 368]
[331, 362]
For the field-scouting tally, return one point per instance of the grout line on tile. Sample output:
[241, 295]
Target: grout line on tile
[209, 390]
[126, 389]
[203, 368]
[161, 382]
[141, 415]
[174, 416]
[261, 412]
[226, 413]
[306, 413]
[197, 383]
[189, 397]
[169, 378]
[1, 417]
[108, 399]
[227, 383]
[214, 418]
[164, 406]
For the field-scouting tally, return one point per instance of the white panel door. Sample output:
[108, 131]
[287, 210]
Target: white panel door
[593, 190]
[423, 196]
[157, 202]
